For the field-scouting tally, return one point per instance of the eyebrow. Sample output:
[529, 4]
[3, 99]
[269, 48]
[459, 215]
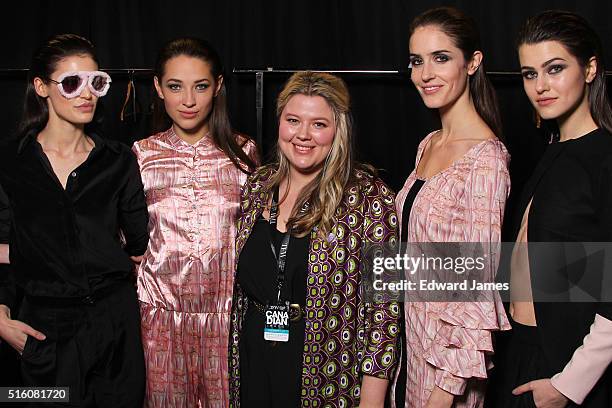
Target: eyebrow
[432, 53]
[545, 64]
[314, 119]
[197, 81]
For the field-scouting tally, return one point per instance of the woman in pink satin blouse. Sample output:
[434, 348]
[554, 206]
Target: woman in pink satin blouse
[192, 173]
[456, 193]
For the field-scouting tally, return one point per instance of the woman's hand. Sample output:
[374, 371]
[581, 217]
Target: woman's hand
[440, 399]
[137, 259]
[14, 332]
[544, 394]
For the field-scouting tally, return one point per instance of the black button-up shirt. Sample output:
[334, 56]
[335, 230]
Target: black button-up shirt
[66, 243]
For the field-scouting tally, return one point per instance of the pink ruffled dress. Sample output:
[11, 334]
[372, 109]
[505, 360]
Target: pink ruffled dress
[449, 344]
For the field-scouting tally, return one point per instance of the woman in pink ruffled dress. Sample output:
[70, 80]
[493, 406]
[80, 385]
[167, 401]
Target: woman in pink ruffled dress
[456, 193]
[192, 173]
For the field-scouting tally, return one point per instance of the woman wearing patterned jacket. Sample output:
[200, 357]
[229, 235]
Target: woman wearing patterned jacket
[333, 348]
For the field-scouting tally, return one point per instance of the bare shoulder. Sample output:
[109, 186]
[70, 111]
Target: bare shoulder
[474, 137]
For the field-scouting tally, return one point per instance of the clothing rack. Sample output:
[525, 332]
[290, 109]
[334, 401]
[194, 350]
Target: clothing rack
[130, 73]
[126, 71]
[259, 83]
[259, 74]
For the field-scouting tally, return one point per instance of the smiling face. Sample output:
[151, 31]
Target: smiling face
[554, 80]
[439, 70]
[187, 88]
[78, 110]
[306, 132]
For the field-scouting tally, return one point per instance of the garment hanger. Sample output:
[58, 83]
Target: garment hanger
[131, 92]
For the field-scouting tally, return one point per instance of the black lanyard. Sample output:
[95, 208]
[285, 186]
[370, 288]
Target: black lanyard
[281, 258]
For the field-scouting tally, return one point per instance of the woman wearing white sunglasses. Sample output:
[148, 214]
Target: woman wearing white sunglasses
[65, 196]
[70, 84]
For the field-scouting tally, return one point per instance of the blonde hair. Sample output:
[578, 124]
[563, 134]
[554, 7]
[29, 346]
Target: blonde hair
[324, 194]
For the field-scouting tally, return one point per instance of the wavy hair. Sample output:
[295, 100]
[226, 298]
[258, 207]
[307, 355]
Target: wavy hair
[322, 195]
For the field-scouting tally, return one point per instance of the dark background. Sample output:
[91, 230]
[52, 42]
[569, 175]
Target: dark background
[323, 34]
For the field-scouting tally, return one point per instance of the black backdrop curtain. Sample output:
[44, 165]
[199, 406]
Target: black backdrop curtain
[317, 34]
[324, 34]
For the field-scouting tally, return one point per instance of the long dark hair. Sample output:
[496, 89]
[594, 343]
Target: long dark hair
[464, 32]
[580, 40]
[218, 122]
[44, 62]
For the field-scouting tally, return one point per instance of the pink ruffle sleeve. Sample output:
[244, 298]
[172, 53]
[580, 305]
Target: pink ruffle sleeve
[461, 346]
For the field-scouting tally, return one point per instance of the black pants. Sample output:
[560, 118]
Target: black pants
[519, 360]
[94, 349]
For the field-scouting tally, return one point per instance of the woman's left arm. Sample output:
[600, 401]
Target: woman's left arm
[133, 214]
[381, 319]
[580, 375]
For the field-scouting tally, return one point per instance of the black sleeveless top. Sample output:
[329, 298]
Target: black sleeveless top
[414, 190]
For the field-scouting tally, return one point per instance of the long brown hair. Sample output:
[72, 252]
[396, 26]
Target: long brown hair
[580, 40]
[218, 122]
[323, 194]
[464, 32]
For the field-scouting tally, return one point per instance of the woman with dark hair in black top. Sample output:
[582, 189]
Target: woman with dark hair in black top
[559, 352]
[65, 197]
